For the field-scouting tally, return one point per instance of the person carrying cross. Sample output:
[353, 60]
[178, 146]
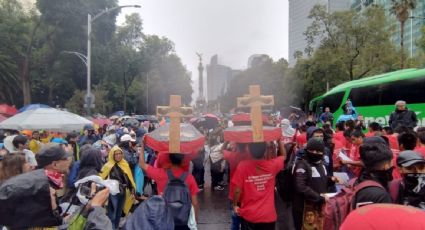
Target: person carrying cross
[163, 176]
[254, 179]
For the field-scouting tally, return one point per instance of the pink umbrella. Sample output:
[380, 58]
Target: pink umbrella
[8, 110]
[102, 121]
[210, 115]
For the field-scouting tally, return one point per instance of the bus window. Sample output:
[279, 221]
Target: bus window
[365, 96]
[333, 101]
[411, 90]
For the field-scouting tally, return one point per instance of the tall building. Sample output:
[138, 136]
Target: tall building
[218, 79]
[257, 59]
[412, 27]
[299, 21]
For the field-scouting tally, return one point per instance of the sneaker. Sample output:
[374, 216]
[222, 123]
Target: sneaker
[218, 188]
[222, 183]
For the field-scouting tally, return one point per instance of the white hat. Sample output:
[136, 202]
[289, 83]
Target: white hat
[127, 137]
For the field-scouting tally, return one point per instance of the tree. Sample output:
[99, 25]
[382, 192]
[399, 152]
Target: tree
[344, 46]
[401, 9]
[14, 27]
[102, 105]
[273, 77]
[359, 42]
[127, 59]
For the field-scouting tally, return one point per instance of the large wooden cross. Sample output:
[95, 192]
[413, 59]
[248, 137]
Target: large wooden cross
[175, 112]
[255, 100]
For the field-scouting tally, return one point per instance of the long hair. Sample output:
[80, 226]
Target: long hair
[11, 165]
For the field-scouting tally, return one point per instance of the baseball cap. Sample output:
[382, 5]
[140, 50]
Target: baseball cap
[59, 140]
[50, 153]
[127, 137]
[408, 158]
[315, 144]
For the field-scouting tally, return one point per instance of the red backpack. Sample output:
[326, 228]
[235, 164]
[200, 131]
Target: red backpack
[339, 206]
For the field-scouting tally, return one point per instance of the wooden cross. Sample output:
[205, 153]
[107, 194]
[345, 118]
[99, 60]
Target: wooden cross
[255, 100]
[175, 112]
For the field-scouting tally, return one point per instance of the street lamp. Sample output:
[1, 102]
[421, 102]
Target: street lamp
[81, 56]
[90, 20]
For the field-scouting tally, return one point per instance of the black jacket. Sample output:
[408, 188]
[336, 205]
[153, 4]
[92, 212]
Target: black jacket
[403, 118]
[310, 180]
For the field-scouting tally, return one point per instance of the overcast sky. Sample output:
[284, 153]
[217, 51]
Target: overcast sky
[233, 29]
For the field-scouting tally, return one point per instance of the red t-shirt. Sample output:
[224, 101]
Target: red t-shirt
[256, 179]
[301, 140]
[355, 156]
[396, 172]
[420, 149]
[234, 158]
[339, 136]
[161, 178]
[393, 141]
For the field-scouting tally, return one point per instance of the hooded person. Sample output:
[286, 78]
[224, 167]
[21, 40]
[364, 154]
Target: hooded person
[311, 179]
[90, 164]
[118, 169]
[287, 131]
[377, 160]
[319, 134]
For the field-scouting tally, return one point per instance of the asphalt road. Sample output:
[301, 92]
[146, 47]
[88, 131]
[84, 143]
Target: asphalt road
[215, 213]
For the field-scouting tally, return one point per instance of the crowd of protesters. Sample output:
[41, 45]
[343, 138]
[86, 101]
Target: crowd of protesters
[300, 172]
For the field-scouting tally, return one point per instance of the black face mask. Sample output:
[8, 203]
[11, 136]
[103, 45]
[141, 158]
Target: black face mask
[414, 184]
[383, 176]
[313, 158]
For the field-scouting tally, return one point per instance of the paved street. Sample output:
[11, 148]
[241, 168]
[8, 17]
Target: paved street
[213, 206]
[216, 215]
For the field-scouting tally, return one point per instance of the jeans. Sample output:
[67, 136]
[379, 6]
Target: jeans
[198, 169]
[216, 175]
[236, 220]
[115, 206]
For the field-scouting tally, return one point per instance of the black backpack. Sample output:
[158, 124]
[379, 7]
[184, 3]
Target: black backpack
[177, 196]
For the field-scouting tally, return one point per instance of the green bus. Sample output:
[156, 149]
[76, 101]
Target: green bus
[374, 97]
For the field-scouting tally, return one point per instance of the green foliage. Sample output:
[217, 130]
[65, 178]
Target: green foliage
[102, 104]
[273, 77]
[33, 61]
[350, 46]
[14, 24]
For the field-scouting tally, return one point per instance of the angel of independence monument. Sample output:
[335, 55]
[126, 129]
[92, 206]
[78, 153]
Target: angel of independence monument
[200, 101]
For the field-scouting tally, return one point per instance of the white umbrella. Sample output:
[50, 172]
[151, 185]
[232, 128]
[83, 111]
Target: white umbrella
[45, 118]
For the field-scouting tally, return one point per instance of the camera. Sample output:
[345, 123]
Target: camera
[86, 189]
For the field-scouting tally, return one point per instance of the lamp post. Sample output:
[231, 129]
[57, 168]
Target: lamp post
[90, 20]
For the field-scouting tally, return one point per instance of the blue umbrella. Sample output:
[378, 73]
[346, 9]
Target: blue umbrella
[119, 113]
[32, 107]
